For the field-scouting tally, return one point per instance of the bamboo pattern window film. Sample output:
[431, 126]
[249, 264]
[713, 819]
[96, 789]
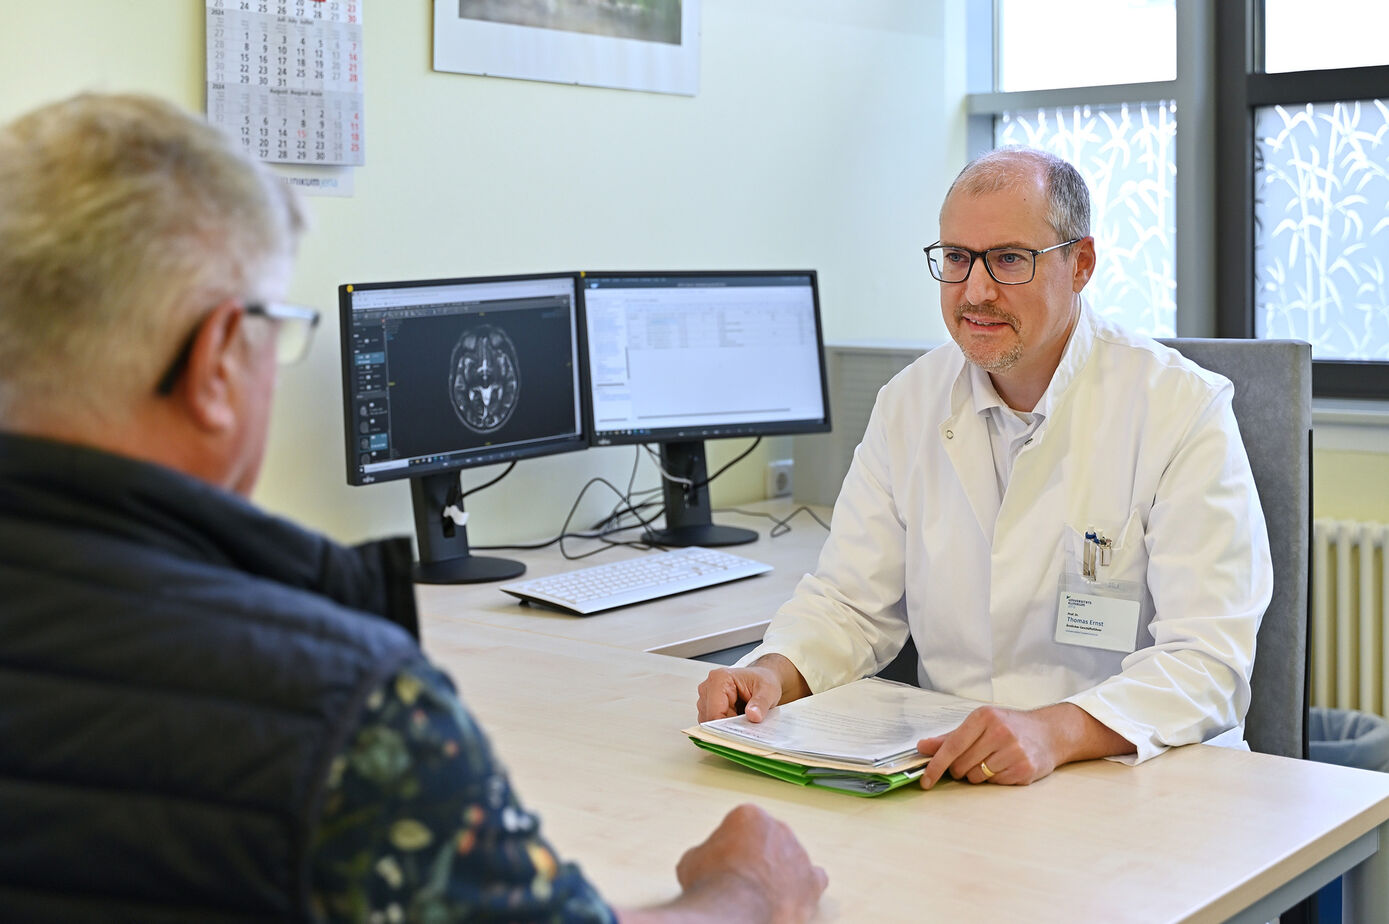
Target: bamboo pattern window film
[1321, 233]
[1127, 154]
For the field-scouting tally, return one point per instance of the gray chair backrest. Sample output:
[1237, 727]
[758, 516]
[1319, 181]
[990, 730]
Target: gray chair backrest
[1273, 404]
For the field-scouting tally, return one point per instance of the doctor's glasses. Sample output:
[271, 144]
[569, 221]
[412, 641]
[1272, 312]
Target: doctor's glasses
[1009, 266]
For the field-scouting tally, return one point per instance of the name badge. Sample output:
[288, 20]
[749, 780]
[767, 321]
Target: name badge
[1098, 614]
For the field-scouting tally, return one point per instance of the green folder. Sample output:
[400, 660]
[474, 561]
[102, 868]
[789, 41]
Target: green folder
[850, 781]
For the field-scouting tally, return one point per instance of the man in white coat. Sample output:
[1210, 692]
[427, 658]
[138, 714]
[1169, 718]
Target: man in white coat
[1059, 513]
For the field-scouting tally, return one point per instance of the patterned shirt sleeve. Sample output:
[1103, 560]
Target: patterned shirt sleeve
[420, 823]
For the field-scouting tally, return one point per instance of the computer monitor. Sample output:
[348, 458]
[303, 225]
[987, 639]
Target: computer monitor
[444, 374]
[677, 358]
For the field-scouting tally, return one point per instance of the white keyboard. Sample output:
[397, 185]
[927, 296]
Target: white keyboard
[636, 580]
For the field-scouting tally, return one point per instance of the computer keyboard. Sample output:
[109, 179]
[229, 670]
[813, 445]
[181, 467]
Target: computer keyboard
[636, 580]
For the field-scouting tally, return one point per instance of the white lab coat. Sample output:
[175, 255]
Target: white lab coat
[1138, 443]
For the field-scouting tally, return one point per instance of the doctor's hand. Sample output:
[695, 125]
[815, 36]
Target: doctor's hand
[751, 690]
[1017, 747]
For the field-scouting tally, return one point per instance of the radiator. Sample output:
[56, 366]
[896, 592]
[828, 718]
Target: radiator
[1350, 610]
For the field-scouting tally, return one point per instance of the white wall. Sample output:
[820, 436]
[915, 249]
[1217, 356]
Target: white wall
[823, 136]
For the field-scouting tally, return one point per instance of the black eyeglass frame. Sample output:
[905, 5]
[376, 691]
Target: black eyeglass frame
[982, 255]
[275, 311]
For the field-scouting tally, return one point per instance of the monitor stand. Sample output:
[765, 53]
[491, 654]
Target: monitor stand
[444, 555]
[688, 518]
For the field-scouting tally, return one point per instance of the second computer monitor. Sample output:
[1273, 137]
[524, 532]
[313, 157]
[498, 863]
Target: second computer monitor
[680, 357]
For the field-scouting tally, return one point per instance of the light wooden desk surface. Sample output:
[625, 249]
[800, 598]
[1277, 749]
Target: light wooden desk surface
[588, 724]
[591, 736]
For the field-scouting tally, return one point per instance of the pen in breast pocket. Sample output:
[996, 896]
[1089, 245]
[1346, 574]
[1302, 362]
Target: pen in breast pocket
[1087, 565]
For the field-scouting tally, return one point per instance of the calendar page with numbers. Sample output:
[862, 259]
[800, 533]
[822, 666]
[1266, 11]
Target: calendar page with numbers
[285, 77]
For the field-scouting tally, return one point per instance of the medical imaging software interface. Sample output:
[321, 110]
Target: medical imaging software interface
[679, 355]
[468, 372]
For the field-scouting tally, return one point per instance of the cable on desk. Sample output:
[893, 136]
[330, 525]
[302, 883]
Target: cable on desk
[604, 528]
[780, 526]
[601, 534]
[625, 505]
[630, 503]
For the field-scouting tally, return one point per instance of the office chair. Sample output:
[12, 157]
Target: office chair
[1273, 405]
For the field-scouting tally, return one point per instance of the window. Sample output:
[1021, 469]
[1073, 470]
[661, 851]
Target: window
[1110, 111]
[1303, 208]
[1244, 194]
[1321, 230]
[1030, 33]
[1339, 34]
[1127, 155]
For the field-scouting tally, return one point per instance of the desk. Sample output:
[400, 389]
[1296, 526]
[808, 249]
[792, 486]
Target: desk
[590, 731]
[685, 625]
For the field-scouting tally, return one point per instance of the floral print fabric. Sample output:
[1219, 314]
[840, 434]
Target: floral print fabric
[419, 822]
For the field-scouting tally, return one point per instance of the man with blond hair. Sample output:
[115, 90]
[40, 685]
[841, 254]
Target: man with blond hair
[210, 713]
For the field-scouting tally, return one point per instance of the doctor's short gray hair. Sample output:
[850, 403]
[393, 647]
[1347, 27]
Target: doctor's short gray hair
[1068, 198]
[123, 220]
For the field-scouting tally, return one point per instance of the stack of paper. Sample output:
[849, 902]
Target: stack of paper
[859, 738]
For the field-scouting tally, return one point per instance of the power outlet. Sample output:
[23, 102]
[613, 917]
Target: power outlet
[779, 478]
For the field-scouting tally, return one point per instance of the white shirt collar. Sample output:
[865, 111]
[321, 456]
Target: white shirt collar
[1073, 359]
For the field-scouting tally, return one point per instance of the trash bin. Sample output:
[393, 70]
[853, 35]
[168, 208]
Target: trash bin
[1349, 739]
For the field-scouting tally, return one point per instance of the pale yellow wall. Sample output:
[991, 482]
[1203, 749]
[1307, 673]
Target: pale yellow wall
[823, 135]
[1350, 485]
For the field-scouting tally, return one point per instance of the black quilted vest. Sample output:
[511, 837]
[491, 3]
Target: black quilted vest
[177, 670]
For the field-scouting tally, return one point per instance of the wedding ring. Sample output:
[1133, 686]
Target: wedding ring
[984, 768]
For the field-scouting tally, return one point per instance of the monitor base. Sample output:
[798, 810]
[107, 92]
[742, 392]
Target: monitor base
[467, 569]
[706, 534]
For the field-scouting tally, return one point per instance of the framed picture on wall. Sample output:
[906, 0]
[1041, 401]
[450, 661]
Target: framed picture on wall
[648, 45]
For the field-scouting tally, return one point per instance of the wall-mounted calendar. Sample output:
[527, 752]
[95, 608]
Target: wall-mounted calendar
[285, 77]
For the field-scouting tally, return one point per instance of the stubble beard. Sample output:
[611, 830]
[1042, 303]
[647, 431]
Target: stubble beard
[992, 361]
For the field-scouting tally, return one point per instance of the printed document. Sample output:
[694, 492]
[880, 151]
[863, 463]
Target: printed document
[868, 723]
